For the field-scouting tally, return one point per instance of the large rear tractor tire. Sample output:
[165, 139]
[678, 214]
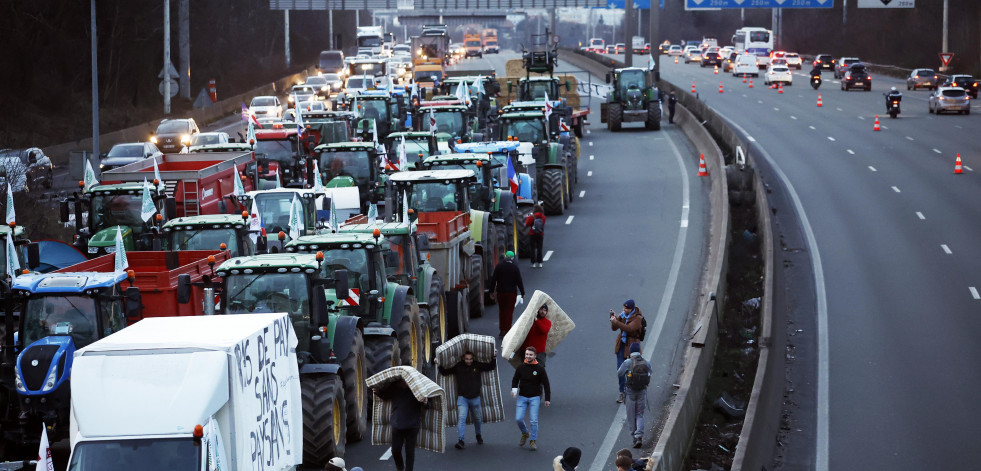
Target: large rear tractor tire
[456, 314]
[324, 420]
[653, 121]
[382, 352]
[410, 342]
[615, 118]
[553, 191]
[476, 286]
[426, 334]
[577, 129]
[354, 371]
[437, 312]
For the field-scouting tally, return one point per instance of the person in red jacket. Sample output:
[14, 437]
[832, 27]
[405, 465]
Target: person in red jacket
[535, 223]
[538, 335]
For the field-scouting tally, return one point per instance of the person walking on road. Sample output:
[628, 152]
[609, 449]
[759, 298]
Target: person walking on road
[629, 323]
[672, 101]
[505, 284]
[467, 373]
[530, 379]
[568, 460]
[406, 420]
[637, 376]
[535, 222]
[538, 335]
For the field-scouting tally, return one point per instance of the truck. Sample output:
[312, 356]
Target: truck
[371, 37]
[193, 393]
[472, 45]
[192, 184]
[70, 308]
[430, 54]
[637, 45]
[597, 45]
[489, 39]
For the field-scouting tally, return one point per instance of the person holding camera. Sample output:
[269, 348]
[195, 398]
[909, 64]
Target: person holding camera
[629, 323]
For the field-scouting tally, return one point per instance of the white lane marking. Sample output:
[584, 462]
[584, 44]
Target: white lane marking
[650, 345]
[861, 117]
[776, 109]
[896, 189]
[910, 138]
[937, 151]
[839, 109]
[920, 215]
[821, 296]
[547, 256]
[591, 155]
[589, 132]
[958, 126]
[969, 169]
[589, 173]
[851, 152]
[590, 143]
[974, 292]
[946, 249]
[812, 127]
[388, 453]
[884, 128]
[831, 139]
[569, 220]
[758, 101]
[872, 168]
[582, 193]
[793, 117]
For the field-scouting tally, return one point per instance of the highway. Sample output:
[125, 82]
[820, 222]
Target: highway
[636, 229]
[880, 279]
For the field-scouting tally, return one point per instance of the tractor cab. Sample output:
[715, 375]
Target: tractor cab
[279, 152]
[433, 191]
[418, 147]
[453, 121]
[484, 195]
[111, 207]
[375, 106]
[352, 164]
[274, 210]
[210, 232]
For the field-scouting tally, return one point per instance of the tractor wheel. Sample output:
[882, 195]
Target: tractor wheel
[437, 311]
[324, 419]
[354, 370]
[653, 116]
[577, 129]
[567, 188]
[552, 191]
[382, 352]
[615, 117]
[476, 286]
[426, 334]
[410, 342]
[521, 232]
[456, 322]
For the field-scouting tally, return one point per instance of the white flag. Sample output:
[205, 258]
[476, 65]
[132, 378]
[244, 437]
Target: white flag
[403, 164]
[372, 213]
[548, 106]
[334, 223]
[89, 178]
[147, 210]
[415, 90]
[44, 460]
[238, 190]
[318, 183]
[255, 224]
[13, 263]
[433, 127]
[405, 207]
[121, 262]
[250, 135]
[11, 213]
[279, 184]
[156, 176]
[386, 164]
[478, 85]
[296, 217]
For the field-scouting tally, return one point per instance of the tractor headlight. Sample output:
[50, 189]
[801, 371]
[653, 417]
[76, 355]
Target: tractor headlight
[19, 383]
[49, 383]
[93, 250]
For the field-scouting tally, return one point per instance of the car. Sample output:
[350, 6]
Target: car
[968, 83]
[173, 134]
[745, 64]
[778, 73]
[779, 61]
[205, 139]
[312, 107]
[843, 64]
[674, 50]
[25, 169]
[726, 51]
[265, 105]
[127, 153]
[621, 48]
[949, 99]
[692, 54]
[611, 49]
[359, 83]
[777, 55]
[794, 61]
[401, 48]
[319, 83]
[857, 76]
[921, 78]
[729, 62]
[711, 58]
[271, 122]
[825, 61]
[301, 92]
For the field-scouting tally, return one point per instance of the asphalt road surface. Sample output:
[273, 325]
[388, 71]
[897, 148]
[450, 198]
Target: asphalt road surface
[885, 354]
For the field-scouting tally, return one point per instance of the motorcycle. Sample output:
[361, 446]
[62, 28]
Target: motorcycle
[892, 106]
[815, 81]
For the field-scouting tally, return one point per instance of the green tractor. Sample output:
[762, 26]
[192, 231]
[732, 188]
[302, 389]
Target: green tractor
[330, 349]
[387, 311]
[419, 146]
[211, 232]
[633, 97]
[555, 167]
[111, 206]
[353, 164]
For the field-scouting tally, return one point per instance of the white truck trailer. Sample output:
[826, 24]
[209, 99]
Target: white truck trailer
[193, 393]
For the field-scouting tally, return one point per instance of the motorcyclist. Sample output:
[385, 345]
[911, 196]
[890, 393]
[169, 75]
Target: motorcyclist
[893, 95]
[816, 71]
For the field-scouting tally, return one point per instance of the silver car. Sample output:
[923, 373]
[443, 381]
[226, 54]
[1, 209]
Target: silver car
[950, 99]
[921, 78]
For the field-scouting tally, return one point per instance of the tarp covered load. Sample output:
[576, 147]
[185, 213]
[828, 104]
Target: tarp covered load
[433, 420]
[451, 353]
[561, 326]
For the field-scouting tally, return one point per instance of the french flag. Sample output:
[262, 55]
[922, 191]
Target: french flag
[512, 177]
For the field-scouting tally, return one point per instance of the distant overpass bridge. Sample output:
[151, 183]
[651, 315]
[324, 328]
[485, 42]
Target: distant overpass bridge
[451, 18]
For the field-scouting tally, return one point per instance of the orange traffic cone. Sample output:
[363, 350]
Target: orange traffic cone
[675, 59]
[780, 88]
[693, 87]
[720, 87]
[716, 70]
[744, 78]
[957, 164]
[702, 171]
[876, 127]
[819, 101]
[750, 83]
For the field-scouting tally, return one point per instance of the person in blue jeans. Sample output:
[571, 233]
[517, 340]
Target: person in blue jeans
[467, 373]
[530, 379]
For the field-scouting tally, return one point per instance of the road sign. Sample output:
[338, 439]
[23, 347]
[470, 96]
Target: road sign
[716, 4]
[945, 58]
[173, 87]
[621, 4]
[887, 3]
[171, 71]
[555, 39]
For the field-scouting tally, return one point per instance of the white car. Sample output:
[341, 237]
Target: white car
[745, 64]
[778, 74]
[266, 106]
[202, 139]
[674, 50]
[794, 61]
[692, 54]
[359, 83]
[312, 107]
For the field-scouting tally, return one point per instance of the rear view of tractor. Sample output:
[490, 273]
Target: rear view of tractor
[633, 98]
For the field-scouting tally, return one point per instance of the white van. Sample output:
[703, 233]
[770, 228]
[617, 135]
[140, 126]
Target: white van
[745, 64]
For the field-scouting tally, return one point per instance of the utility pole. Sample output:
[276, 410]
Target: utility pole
[95, 84]
[184, 43]
[628, 53]
[655, 38]
[286, 33]
[330, 19]
[166, 61]
[944, 46]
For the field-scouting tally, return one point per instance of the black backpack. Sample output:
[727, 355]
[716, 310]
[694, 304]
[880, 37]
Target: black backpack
[638, 376]
[538, 227]
[643, 328]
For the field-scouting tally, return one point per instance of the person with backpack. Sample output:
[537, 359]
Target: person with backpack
[637, 376]
[630, 324]
[535, 222]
